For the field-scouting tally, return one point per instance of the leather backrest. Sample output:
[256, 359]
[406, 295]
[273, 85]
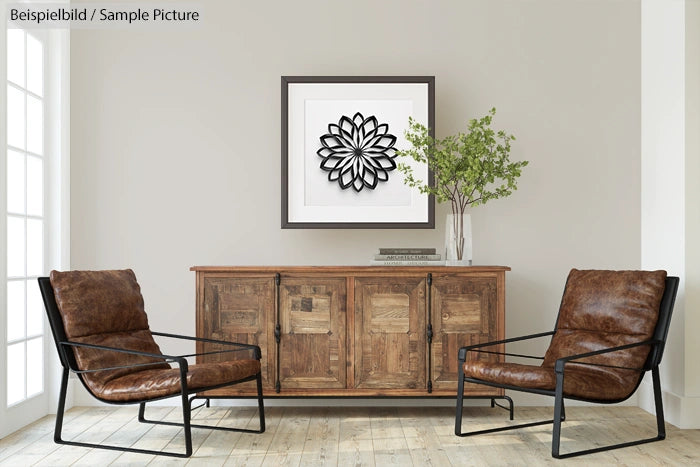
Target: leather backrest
[99, 302]
[602, 309]
[104, 308]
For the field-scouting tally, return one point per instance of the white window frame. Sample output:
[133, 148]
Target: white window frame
[56, 215]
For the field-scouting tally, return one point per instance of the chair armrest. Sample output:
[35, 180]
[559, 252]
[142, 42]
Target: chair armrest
[559, 364]
[180, 360]
[463, 351]
[255, 348]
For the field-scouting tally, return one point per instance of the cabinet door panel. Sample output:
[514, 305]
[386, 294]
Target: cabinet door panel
[464, 312]
[390, 326]
[312, 325]
[239, 309]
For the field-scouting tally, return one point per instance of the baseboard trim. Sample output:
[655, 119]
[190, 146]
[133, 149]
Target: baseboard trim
[680, 411]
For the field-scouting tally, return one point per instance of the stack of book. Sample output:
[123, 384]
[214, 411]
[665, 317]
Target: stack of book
[407, 257]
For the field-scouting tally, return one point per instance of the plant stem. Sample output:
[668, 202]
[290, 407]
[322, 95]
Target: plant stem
[460, 237]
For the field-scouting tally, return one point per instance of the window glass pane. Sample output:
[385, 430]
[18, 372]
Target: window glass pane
[15, 56]
[15, 117]
[35, 309]
[35, 186]
[35, 125]
[15, 373]
[15, 310]
[15, 182]
[35, 247]
[15, 246]
[35, 65]
[35, 366]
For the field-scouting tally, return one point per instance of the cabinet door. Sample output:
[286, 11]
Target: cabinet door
[390, 332]
[238, 309]
[312, 325]
[464, 312]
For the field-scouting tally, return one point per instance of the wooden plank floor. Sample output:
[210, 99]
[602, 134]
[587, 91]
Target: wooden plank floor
[352, 436]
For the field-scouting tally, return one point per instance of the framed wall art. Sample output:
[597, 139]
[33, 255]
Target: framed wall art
[339, 141]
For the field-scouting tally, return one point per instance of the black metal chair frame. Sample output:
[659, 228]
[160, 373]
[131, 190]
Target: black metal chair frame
[69, 364]
[657, 344]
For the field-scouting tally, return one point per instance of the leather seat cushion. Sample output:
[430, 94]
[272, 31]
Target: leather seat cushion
[153, 383]
[93, 359]
[583, 381]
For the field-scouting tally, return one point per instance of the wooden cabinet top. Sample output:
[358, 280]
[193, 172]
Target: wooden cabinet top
[351, 269]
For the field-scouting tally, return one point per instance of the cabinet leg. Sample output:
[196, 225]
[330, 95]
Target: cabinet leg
[509, 407]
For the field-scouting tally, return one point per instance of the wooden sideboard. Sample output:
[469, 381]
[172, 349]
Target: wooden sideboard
[353, 330]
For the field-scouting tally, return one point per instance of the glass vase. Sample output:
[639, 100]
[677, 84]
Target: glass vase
[458, 240]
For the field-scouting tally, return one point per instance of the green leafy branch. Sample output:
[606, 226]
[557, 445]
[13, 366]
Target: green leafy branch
[469, 168]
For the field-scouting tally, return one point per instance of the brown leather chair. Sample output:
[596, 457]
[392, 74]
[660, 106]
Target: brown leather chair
[611, 329]
[101, 332]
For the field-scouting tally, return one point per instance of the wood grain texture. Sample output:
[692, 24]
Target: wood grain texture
[312, 345]
[353, 330]
[390, 323]
[353, 436]
[237, 308]
[465, 311]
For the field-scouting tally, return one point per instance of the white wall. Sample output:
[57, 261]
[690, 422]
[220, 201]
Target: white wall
[670, 193]
[692, 213]
[663, 158]
[175, 137]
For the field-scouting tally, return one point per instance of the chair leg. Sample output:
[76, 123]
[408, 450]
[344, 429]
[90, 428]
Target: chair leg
[61, 408]
[563, 411]
[507, 399]
[658, 402]
[142, 412]
[59, 426]
[186, 423]
[208, 427]
[203, 404]
[460, 408]
[458, 414]
[186, 419]
[558, 413]
[261, 405]
[660, 424]
[460, 400]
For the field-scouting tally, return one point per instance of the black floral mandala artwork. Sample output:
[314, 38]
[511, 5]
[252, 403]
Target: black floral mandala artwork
[358, 152]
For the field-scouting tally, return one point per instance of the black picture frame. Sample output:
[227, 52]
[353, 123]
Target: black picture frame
[422, 212]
